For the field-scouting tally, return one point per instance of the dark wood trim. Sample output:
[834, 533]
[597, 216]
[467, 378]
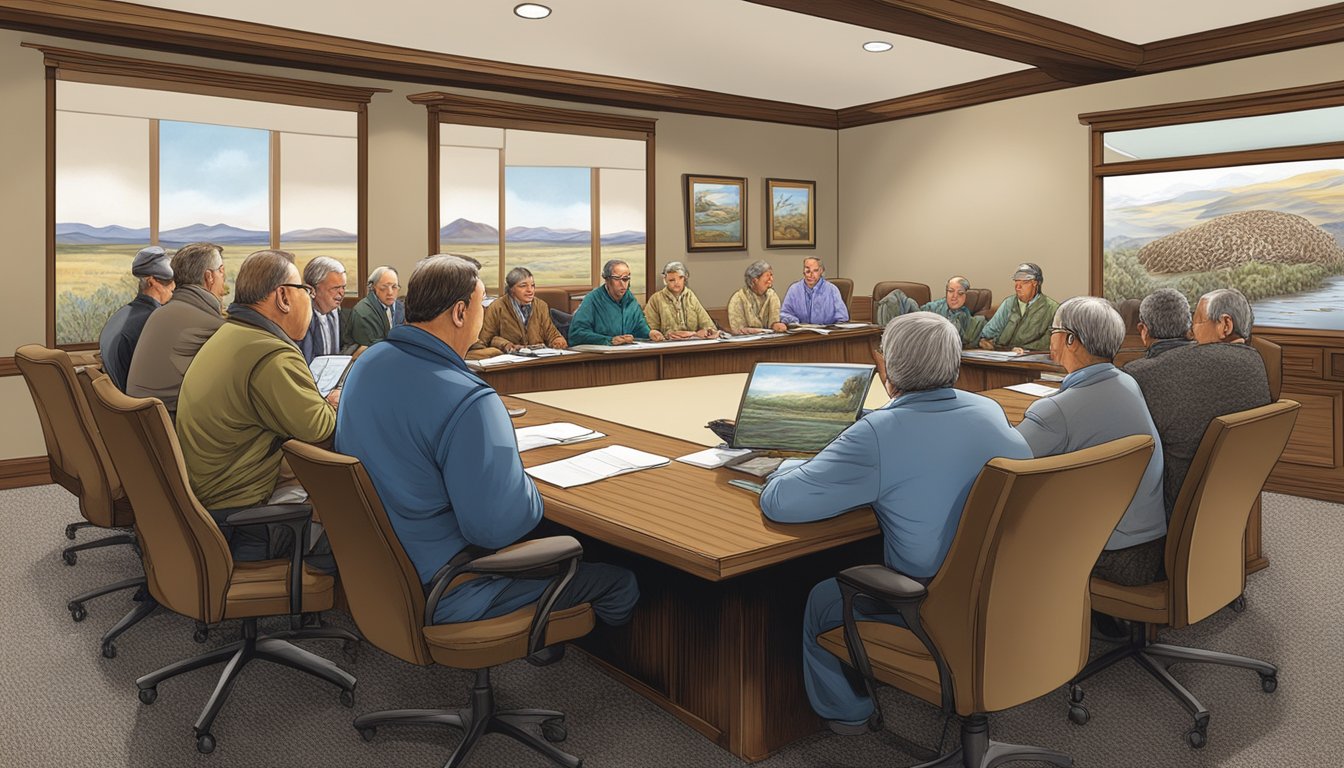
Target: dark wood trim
[8, 367]
[472, 110]
[1247, 105]
[1097, 221]
[1316, 26]
[85, 67]
[594, 227]
[650, 218]
[1327, 151]
[274, 191]
[432, 142]
[25, 472]
[1066, 52]
[154, 181]
[50, 196]
[996, 88]
[362, 180]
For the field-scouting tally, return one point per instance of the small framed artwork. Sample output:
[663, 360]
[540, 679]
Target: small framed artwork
[716, 209]
[791, 213]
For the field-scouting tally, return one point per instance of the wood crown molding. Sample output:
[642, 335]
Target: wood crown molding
[456, 108]
[24, 472]
[1246, 105]
[82, 66]
[1316, 26]
[997, 88]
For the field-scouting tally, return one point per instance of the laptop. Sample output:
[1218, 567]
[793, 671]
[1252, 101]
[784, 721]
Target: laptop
[799, 407]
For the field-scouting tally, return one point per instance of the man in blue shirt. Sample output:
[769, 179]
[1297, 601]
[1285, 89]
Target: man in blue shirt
[438, 444]
[813, 299]
[916, 486]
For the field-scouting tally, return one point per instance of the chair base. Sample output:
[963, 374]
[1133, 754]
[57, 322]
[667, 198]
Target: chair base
[76, 604]
[977, 750]
[481, 718]
[70, 558]
[140, 611]
[1157, 658]
[237, 655]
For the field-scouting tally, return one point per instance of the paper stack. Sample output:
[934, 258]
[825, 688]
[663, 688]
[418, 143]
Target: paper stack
[595, 465]
[559, 433]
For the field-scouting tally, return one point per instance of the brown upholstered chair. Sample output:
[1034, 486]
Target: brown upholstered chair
[1006, 618]
[1272, 354]
[190, 570]
[393, 612]
[980, 301]
[1205, 556]
[846, 287]
[919, 292]
[555, 298]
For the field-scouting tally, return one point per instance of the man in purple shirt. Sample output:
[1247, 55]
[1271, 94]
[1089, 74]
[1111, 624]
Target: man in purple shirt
[813, 299]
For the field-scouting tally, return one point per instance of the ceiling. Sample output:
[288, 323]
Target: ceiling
[727, 46]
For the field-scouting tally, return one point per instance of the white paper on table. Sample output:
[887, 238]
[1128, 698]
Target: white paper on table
[327, 370]
[1033, 389]
[713, 458]
[490, 362]
[558, 433]
[989, 354]
[595, 465]
[754, 337]
[852, 326]
[1052, 376]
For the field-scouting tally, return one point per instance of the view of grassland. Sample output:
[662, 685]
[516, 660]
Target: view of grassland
[1124, 277]
[798, 421]
[550, 264]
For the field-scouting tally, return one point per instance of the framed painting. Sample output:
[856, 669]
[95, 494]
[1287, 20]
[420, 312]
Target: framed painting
[790, 213]
[716, 208]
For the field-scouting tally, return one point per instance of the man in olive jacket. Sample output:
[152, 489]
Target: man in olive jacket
[248, 391]
[1023, 321]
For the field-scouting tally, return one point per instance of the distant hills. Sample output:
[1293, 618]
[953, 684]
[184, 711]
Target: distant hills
[74, 233]
[465, 231]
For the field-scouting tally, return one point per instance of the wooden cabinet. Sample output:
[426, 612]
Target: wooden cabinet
[1312, 464]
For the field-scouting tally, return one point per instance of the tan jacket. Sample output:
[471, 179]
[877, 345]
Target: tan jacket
[667, 313]
[502, 326]
[169, 342]
[747, 310]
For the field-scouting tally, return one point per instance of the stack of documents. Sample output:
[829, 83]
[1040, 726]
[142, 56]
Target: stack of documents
[595, 465]
[329, 371]
[542, 351]
[559, 433]
[1033, 389]
[809, 328]
[713, 458]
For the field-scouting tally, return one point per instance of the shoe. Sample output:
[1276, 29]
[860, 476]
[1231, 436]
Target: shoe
[847, 729]
[546, 656]
[1109, 628]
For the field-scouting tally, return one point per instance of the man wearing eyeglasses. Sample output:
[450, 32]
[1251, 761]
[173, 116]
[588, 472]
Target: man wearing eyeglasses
[609, 315]
[326, 333]
[379, 311]
[249, 390]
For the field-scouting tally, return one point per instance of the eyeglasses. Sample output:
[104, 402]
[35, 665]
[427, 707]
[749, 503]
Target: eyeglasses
[312, 294]
[1061, 329]
[390, 287]
[623, 279]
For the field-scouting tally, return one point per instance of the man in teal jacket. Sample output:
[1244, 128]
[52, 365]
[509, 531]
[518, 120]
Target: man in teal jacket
[610, 315]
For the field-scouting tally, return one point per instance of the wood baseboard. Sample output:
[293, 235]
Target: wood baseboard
[25, 472]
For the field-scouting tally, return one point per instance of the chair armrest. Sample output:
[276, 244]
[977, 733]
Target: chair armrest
[528, 556]
[271, 513]
[295, 517]
[883, 583]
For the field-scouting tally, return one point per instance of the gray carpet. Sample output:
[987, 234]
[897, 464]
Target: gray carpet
[65, 705]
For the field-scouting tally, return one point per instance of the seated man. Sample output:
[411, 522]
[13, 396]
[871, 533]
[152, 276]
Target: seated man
[1023, 322]
[953, 307]
[379, 311]
[328, 333]
[1164, 325]
[813, 299]
[174, 334]
[610, 315]
[1097, 403]
[438, 444]
[1189, 386]
[676, 311]
[916, 487]
[122, 332]
[249, 390]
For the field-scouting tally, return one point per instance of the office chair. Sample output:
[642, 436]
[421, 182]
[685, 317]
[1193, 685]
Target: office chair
[1272, 355]
[918, 292]
[392, 610]
[1006, 619]
[846, 288]
[1205, 555]
[190, 570]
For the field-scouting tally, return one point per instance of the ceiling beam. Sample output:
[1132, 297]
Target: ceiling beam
[1063, 51]
[997, 88]
[1316, 26]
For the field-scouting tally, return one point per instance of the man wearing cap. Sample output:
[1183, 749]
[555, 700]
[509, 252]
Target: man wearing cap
[1023, 322]
[122, 332]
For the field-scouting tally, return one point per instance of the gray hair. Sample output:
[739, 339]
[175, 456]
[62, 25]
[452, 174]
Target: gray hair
[377, 274]
[755, 269]
[437, 284]
[193, 260]
[963, 282]
[1166, 312]
[515, 276]
[678, 267]
[318, 269]
[814, 258]
[922, 351]
[611, 265]
[1230, 302]
[1099, 328]
[261, 273]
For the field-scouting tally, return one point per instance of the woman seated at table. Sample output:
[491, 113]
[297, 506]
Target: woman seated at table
[676, 311]
[755, 308]
[519, 318]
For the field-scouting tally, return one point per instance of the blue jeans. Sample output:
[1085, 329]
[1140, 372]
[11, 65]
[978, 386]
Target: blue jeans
[610, 589]
[829, 688]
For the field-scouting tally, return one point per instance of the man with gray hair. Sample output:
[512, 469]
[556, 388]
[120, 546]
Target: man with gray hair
[916, 486]
[379, 311]
[174, 334]
[1188, 387]
[122, 331]
[1096, 403]
[813, 299]
[1164, 324]
[328, 332]
[609, 314]
[676, 311]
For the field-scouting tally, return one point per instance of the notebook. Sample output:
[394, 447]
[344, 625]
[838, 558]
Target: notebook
[329, 371]
[799, 406]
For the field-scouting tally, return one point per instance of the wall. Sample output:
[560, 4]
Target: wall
[978, 190]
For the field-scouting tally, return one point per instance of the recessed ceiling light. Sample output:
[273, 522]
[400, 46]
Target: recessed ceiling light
[532, 11]
[875, 46]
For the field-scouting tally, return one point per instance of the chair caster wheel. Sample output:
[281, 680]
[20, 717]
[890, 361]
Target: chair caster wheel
[1239, 605]
[70, 531]
[148, 695]
[1269, 683]
[70, 558]
[1197, 737]
[554, 730]
[205, 743]
[77, 611]
[367, 734]
[200, 635]
[109, 651]
[348, 697]
[1079, 715]
[1076, 694]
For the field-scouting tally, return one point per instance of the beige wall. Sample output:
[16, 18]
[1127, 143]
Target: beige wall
[977, 190]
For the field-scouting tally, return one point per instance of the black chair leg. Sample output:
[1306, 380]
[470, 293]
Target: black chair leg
[134, 616]
[76, 604]
[1198, 735]
[70, 558]
[71, 528]
[977, 750]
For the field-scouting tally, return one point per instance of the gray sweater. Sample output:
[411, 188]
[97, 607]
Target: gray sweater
[1187, 388]
[169, 343]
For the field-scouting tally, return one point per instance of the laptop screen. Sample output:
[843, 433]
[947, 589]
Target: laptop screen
[799, 406]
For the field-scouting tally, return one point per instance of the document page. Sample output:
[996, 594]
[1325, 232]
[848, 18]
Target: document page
[1033, 389]
[712, 458]
[989, 354]
[558, 433]
[327, 370]
[595, 465]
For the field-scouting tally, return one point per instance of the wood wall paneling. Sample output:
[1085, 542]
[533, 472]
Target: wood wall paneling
[1315, 440]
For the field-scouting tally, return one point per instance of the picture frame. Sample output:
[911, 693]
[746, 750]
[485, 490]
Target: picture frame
[716, 212]
[790, 213]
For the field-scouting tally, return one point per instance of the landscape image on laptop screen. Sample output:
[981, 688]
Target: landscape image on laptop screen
[800, 407]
